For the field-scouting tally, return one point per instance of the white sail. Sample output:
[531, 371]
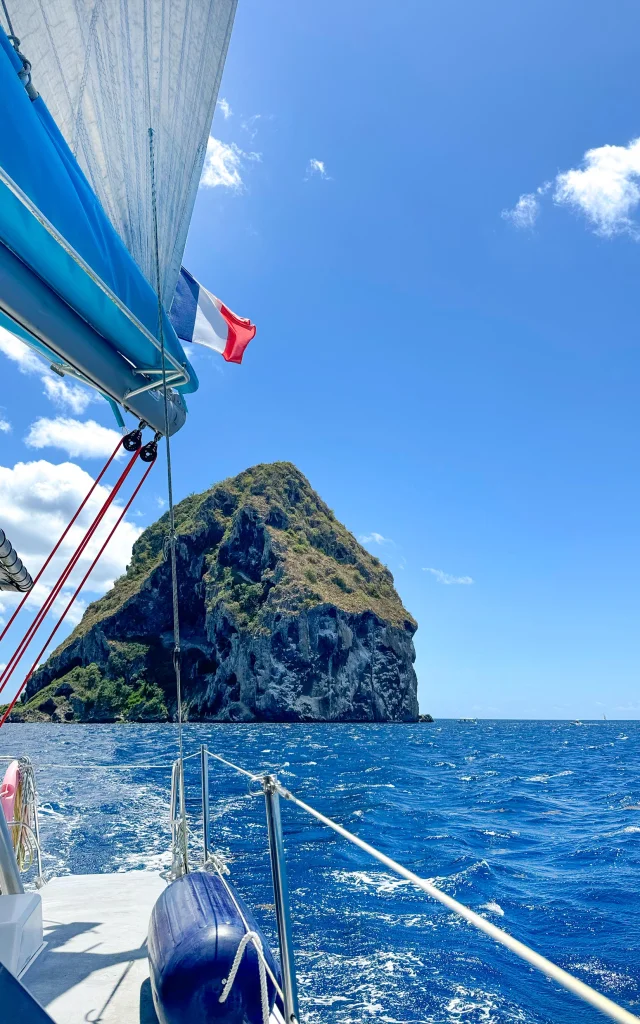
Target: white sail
[109, 70]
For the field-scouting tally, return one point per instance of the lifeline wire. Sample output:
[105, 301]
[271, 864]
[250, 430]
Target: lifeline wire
[172, 528]
[6, 14]
[247, 929]
[552, 971]
[114, 767]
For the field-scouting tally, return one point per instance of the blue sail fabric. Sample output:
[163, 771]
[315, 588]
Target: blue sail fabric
[36, 157]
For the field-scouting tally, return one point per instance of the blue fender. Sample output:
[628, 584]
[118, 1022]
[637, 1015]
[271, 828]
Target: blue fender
[194, 933]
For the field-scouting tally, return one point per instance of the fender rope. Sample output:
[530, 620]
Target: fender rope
[254, 938]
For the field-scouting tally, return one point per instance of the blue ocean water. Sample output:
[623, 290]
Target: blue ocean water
[534, 824]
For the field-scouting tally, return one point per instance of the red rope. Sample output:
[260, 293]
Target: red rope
[46, 607]
[66, 531]
[77, 591]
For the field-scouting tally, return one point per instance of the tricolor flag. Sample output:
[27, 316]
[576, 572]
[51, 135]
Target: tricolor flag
[199, 316]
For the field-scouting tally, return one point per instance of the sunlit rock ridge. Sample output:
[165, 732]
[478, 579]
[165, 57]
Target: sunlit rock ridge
[284, 617]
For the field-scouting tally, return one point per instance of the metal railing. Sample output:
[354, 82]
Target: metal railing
[17, 851]
[273, 790]
[10, 881]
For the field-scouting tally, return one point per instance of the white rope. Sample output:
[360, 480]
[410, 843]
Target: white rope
[254, 938]
[557, 974]
[214, 864]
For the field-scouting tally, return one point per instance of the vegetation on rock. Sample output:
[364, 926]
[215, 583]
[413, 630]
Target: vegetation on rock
[269, 581]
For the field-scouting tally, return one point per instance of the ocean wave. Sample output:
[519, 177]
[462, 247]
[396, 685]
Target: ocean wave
[544, 777]
[608, 979]
[369, 946]
[377, 880]
[479, 1005]
[494, 908]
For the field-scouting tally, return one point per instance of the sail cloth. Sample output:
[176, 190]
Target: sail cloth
[200, 317]
[68, 285]
[108, 70]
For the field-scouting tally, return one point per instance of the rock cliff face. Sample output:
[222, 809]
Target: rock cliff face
[284, 617]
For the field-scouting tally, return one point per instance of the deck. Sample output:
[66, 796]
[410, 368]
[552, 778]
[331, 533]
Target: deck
[94, 968]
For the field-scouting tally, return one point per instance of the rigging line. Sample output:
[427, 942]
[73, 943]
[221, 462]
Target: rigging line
[235, 767]
[51, 597]
[77, 591]
[114, 767]
[6, 14]
[55, 591]
[552, 971]
[172, 525]
[64, 534]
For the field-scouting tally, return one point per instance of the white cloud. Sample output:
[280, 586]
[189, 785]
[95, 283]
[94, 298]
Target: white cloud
[68, 396]
[223, 165]
[160, 502]
[606, 188]
[250, 125]
[316, 167]
[374, 538]
[19, 353]
[5, 426]
[447, 578]
[37, 500]
[225, 108]
[525, 213]
[78, 439]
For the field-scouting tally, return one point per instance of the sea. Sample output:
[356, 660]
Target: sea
[535, 825]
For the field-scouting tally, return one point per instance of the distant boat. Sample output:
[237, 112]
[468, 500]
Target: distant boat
[468, 721]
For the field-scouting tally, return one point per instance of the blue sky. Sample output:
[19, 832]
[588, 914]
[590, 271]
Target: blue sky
[445, 288]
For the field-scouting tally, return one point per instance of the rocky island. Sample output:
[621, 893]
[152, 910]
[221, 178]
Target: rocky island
[285, 617]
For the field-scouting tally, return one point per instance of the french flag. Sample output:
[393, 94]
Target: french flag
[198, 316]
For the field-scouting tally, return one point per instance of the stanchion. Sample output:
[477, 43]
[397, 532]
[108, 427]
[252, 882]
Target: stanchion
[281, 899]
[204, 776]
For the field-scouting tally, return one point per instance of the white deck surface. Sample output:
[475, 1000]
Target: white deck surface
[94, 968]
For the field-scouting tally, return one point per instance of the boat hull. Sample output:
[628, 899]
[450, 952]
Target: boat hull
[195, 929]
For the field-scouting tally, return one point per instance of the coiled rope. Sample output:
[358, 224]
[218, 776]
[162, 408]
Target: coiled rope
[25, 833]
[221, 869]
